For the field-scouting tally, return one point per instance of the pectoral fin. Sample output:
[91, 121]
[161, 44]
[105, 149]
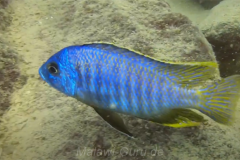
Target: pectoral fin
[114, 120]
[179, 118]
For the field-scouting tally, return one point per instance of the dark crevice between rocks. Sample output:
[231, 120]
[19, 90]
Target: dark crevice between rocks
[208, 4]
[227, 54]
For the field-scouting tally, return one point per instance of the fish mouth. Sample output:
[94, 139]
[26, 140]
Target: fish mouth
[41, 74]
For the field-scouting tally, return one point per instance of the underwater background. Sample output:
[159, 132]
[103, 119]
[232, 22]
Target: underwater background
[40, 123]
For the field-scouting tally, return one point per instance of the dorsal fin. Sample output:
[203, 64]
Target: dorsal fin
[192, 74]
[188, 74]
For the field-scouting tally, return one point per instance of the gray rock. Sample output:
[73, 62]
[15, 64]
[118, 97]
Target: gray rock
[5, 17]
[208, 4]
[145, 26]
[222, 30]
[9, 72]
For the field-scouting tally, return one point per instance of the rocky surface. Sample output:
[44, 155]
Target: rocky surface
[9, 72]
[222, 29]
[208, 4]
[5, 17]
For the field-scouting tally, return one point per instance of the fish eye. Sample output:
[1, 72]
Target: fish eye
[53, 68]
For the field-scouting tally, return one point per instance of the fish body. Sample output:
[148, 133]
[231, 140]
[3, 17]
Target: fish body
[116, 79]
[119, 80]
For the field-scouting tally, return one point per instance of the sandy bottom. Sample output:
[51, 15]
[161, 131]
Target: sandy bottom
[43, 124]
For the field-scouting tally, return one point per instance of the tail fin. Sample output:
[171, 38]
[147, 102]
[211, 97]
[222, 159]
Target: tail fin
[219, 101]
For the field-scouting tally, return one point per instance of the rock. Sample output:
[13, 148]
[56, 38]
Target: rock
[8, 75]
[3, 3]
[222, 30]
[5, 17]
[145, 26]
[208, 4]
[9, 72]
[190, 8]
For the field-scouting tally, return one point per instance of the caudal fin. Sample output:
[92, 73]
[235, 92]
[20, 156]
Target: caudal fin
[219, 101]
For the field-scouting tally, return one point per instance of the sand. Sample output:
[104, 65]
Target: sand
[43, 124]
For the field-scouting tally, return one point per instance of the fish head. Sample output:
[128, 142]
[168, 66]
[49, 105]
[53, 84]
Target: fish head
[59, 73]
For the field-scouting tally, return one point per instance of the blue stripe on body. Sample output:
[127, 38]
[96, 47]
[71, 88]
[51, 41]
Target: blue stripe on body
[83, 73]
[128, 97]
[148, 102]
[124, 91]
[112, 83]
[136, 92]
[132, 87]
[154, 93]
[144, 104]
[104, 82]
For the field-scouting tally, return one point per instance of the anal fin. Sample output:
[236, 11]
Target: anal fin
[179, 118]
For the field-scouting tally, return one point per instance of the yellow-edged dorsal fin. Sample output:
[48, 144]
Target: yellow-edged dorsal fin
[191, 74]
[187, 74]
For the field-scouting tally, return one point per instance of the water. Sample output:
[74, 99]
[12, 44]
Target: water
[38, 122]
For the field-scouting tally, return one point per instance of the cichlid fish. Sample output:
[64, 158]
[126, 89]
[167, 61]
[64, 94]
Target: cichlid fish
[115, 80]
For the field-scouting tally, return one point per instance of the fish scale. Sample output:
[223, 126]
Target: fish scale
[144, 95]
[115, 79]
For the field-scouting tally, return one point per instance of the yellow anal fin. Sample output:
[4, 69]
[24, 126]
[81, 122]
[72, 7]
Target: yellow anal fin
[182, 122]
[179, 118]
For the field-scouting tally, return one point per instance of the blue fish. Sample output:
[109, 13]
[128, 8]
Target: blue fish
[114, 80]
